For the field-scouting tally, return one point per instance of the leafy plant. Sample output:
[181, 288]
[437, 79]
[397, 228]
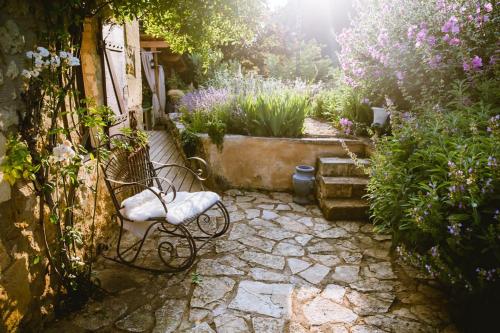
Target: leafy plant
[190, 142]
[277, 115]
[196, 278]
[18, 163]
[436, 186]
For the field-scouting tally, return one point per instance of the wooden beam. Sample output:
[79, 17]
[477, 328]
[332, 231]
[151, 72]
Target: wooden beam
[160, 44]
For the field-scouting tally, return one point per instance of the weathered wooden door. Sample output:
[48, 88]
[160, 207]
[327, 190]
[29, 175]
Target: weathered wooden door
[115, 79]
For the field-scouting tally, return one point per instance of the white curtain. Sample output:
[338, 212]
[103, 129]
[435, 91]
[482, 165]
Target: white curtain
[147, 64]
[163, 96]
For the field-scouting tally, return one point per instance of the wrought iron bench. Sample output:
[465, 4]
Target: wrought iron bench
[178, 224]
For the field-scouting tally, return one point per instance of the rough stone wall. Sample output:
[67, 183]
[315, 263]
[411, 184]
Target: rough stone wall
[20, 281]
[26, 289]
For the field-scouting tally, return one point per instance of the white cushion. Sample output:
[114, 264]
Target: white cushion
[146, 206]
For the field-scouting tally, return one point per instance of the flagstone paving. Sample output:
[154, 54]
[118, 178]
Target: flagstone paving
[280, 268]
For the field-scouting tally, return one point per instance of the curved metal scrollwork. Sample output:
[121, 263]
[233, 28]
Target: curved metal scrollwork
[177, 260]
[200, 168]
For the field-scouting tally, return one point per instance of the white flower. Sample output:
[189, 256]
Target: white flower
[74, 61]
[63, 54]
[39, 62]
[26, 73]
[55, 61]
[35, 73]
[43, 51]
[62, 152]
[30, 54]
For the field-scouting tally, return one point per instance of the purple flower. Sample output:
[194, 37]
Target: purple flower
[477, 63]
[383, 38]
[454, 229]
[411, 31]
[435, 61]
[488, 7]
[421, 36]
[204, 99]
[346, 125]
[400, 75]
[446, 38]
[431, 40]
[451, 26]
[466, 66]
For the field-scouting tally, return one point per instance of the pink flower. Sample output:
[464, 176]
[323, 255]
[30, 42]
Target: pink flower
[488, 7]
[346, 125]
[454, 42]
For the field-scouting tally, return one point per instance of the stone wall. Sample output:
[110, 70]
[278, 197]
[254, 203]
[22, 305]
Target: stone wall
[26, 289]
[20, 281]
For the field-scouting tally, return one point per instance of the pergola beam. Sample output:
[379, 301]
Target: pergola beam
[158, 44]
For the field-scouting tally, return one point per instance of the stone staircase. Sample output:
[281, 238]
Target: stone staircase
[340, 186]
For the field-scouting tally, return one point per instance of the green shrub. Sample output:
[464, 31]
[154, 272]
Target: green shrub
[352, 106]
[276, 115]
[190, 142]
[436, 186]
[325, 105]
[305, 62]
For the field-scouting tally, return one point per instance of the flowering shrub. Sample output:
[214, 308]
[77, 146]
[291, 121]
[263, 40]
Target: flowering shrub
[346, 125]
[436, 184]
[48, 152]
[247, 104]
[203, 99]
[411, 50]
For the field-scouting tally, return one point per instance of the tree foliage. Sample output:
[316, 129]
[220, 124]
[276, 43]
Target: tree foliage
[200, 26]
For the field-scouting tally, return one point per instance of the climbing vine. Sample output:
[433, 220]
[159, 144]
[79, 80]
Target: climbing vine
[51, 151]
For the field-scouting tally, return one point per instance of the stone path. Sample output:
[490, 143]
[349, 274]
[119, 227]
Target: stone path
[280, 268]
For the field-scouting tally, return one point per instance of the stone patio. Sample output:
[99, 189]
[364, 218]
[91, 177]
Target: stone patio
[280, 268]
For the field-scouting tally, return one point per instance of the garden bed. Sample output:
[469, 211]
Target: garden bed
[263, 162]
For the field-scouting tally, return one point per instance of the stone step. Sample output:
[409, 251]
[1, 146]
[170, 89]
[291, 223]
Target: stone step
[345, 209]
[341, 167]
[341, 187]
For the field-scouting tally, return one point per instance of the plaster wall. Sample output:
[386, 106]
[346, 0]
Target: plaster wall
[268, 163]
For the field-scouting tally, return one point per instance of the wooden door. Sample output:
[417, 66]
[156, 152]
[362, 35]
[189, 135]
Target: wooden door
[115, 79]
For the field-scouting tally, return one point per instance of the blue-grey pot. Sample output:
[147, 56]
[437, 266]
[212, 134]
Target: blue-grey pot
[303, 184]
